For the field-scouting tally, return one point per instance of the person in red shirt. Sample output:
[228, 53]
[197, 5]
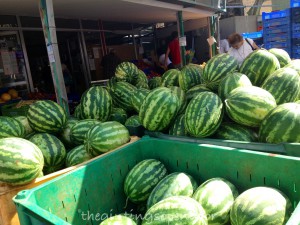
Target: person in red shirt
[174, 51]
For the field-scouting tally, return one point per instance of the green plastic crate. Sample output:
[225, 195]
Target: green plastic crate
[290, 149]
[95, 190]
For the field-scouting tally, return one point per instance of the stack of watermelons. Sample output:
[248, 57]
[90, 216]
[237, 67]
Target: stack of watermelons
[46, 141]
[160, 198]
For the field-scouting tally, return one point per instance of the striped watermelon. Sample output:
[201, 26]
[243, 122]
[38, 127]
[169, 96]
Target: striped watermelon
[170, 78]
[191, 93]
[133, 121]
[96, 103]
[181, 96]
[11, 127]
[28, 136]
[175, 184]
[284, 85]
[282, 56]
[24, 121]
[217, 68]
[216, 196]
[236, 132]
[260, 205]
[76, 156]
[189, 77]
[281, 124]
[154, 82]
[294, 64]
[77, 112]
[142, 179]
[118, 220]
[231, 81]
[249, 105]
[138, 97]
[141, 80]
[65, 135]
[53, 150]
[159, 109]
[178, 127]
[122, 93]
[119, 115]
[79, 130]
[21, 161]
[203, 114]
[176, 210]
[104, 137]
[258, 65]
[46, 116]
[126, 71]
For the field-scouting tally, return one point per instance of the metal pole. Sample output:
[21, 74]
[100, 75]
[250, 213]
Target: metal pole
[27, 65]
[181, 35]
[85, 69]
[48, 22]
[134, 43]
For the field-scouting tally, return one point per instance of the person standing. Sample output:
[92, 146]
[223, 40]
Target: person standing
[224, 46]
[174, 51]
[240, 47]
[110, 63]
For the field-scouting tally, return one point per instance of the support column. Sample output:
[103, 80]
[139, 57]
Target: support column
[212, 25]
[49, 29]
[181, 34]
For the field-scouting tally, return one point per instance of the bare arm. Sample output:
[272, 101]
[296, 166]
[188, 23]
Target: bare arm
[255, 45]
[167, 56]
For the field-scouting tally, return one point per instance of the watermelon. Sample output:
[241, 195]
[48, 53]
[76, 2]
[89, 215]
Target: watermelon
[216, 196]
[126, 71]
[176, 210]
[175, 184]
[76, 156]
[133, 121]
[258, 65]
[104, 137]
[24, 121]
[236, 132]
[170, 78]
[281, 124]
[53, 150]
[231, 81]
[154, 82]
[249, 105]
[138, 97]
[141, 80]
[294, 64]
[260, 205]
[79, 130]
[178, 127]
[77, 112]
[28, 136]
[142, 179]
[46, 116]
[284, 85]
[203, 114]
[217, 68]
[21, 161]
[191, 93]
[96, 103]
[122, 93]
[159, 109]
[282, 56]
[181, 96]
[118, 114]
[11, 127]
[189, 77]
[65, 135]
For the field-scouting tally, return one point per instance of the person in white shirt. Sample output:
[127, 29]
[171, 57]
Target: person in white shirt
[162, 60]
[240, 47]
[224, 46]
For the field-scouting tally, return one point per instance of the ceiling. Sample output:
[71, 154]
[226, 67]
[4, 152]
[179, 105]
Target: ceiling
[132, 11]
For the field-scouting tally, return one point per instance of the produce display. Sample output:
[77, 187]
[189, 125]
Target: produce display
[176, 198]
